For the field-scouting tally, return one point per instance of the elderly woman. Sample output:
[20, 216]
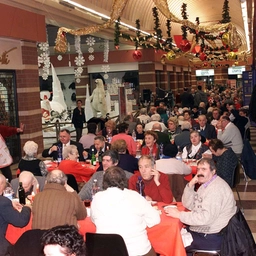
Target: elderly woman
[126, 161]
[70, 165]
[110, 130]
[29, 162]
[150, 147]
[122, 211]
[225, 158]
[196, 148]
[173, 127]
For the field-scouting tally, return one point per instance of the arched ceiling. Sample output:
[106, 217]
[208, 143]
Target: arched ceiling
[59, 13]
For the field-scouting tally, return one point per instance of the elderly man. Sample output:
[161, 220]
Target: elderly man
[30, 183]
[183, 139]
[230, 135]
[163, 138]
[57, 204]
[109, 158]
[56, 150]
[155, 119]
[156, 184]
[122, 211]
[11, 213]
[206, 130]
[211, 207]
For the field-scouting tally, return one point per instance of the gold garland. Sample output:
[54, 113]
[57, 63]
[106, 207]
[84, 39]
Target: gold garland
[61, 40]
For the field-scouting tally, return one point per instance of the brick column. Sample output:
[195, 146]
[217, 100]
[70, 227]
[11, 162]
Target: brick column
[28, 95]
[81, 87]
[220, 75]
[147, 76]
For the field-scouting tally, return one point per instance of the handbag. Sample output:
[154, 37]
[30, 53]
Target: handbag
[5, 156]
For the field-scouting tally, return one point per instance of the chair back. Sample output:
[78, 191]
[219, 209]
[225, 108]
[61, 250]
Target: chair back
[177, 185]
[105, 245]
[28, 244]
[236, 175]
[72, 182]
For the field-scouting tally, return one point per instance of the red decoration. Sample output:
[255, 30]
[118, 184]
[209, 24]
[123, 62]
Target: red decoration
[117, 47]
[202, 56]
[185, 45]
[63, 33]
[197, 48]
[137, 55]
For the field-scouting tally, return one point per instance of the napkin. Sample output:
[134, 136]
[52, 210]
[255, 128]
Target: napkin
[186, 237]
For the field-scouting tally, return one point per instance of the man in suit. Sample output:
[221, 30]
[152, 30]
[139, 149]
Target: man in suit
[163, 138]
[56, 150]
[206, 130]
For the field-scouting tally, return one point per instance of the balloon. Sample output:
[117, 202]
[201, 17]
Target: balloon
[231, 56]
[225, 38]
[170, 55]
[137, 55]
[202, 56]
[185, 45]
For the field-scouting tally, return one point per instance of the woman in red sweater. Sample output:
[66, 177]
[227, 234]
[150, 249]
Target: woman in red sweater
[150, 147]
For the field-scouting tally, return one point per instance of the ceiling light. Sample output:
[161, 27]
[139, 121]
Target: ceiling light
[246, 27]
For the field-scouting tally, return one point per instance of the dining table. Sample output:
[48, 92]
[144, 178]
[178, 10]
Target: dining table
[165, 237]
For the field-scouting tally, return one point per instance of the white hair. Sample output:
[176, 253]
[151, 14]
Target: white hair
[155, 117]
[185, 125]
[30, 148]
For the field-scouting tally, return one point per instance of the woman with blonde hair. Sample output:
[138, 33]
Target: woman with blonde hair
[29, 162]
[109, 130]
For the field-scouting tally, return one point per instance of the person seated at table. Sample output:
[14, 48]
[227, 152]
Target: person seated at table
[156, 118]
[122, 211]
[213, 120]
[196, 148]
[144, 117]
[162, 138]
[109, 158]
[123, 134]
[11, 213]
[29, 162]
[57, 204]
[206, 130]
[169, 164]
[56, 150]
[183, 139]
[109, 130]
[70, 165]
[126, 161]
[211, 207]
[187, 117]
[150, 146]
[129, 119]
[88, 139]
[63, 240]
[30, 183]
[225, 159]
[156, 184]
[173, 128]
[139, 132]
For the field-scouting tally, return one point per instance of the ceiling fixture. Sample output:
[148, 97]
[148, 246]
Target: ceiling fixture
[245, 19]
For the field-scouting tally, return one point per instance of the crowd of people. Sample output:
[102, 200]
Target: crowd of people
[135, 159]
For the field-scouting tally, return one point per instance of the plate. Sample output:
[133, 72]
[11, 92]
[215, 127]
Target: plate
[170, 206]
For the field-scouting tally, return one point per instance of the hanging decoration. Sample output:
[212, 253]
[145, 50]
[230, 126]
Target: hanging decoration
[105, 68]
[185, 44]
[44, 59]
[137, 55]
[117, 33]
[90, 41]
[79, 59]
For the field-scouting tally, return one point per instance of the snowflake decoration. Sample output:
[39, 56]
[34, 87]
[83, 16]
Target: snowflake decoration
[90, 50]
[90, 41]
[45, 76]
[91, 57]
[78, 80]
[59, 57]
[79, 60]
[105, 76]
[105, 68]
[106, 50]
[44, 46]
[80, 69]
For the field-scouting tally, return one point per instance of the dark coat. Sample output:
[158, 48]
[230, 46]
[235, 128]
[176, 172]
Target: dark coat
[182, 139]
[237, 238]
[248, 160]
[163, 138]
[106, 147]
[54, 154]
[78, 118]
[187, 100]
[209, 131]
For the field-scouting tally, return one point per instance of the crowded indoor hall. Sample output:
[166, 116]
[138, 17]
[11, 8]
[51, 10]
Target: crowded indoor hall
[128, 128]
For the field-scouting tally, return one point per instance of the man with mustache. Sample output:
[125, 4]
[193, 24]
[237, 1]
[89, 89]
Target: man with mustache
[211, 207]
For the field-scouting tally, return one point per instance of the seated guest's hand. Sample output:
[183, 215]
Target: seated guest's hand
[156, 176]
[172, 212]
[85, 154]
[16, 205]
[207, 155]
[68, 188]
[148, 198]
[193, 181]
[53, 148]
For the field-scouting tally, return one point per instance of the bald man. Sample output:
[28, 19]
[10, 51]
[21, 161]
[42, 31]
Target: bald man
[163, 138]
[58, 202]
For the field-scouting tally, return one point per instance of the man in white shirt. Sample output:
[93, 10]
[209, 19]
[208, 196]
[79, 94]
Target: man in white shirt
[230, 135]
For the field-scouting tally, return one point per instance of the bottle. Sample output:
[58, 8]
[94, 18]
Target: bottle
[134, 135]
[140, 186]
[95, 187]
[8, 191]
[93, 159]
[21, 193]
[161, 150]
[179, 154]
[59, 154]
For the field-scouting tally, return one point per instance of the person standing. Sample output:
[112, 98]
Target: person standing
[187, 99]
[6, 131]
[78, 119]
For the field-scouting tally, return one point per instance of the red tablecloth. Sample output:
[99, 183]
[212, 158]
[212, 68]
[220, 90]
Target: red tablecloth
[164, 237]
[193, 172]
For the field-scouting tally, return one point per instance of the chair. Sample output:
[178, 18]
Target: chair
[177, 185]
[28, 244]
[72, 182]
[105, 245]
[205, 252]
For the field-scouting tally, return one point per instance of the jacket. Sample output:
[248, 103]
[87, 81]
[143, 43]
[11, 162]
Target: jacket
[248, 160]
